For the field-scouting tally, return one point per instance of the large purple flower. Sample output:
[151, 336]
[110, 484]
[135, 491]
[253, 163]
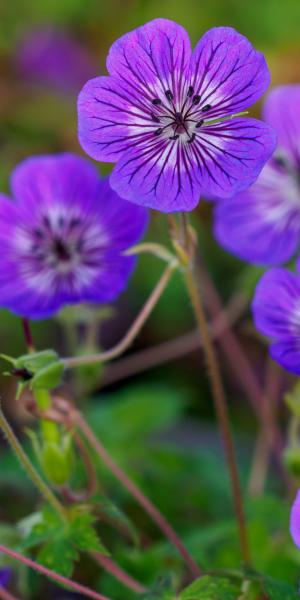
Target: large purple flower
[5, 576]
[62, 238]
[262, 224]
[276, 310]
[165, 115]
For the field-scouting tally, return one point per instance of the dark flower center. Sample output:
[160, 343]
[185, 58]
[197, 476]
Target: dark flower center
[61, 250]
[175, 121]
[58, 244]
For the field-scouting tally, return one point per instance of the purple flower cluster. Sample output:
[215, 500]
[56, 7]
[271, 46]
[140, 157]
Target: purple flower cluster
[63, 236]
[262, 224]
[164, 114]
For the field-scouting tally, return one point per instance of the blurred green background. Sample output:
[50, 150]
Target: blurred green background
[38, 116]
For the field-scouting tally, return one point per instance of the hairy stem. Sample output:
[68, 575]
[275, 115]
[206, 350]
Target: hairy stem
[60, 579]
[29, 468]
[190, 278]
[133, 331]
[133, 489]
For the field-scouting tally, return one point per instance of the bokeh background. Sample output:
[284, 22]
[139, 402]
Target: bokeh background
[48, 50]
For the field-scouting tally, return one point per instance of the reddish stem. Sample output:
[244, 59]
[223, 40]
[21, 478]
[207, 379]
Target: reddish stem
[133, 489]
[6, 595]
[81, 589]
[28, 335]
[108, 564]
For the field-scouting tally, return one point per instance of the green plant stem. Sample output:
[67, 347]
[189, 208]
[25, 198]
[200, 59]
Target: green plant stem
[30, 469]
[190, 279]
[49, 429]
[134, 330]
[69, 583]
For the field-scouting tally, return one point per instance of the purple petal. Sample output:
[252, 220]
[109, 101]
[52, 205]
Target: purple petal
[5, 576]
[282, 111]
[227, 72]
[295, 521]
[54, 179]
[153, 57]
[160, 176]
[230, 155]
[115, 113]
[287, 354]
[276, 305]
[261, 224]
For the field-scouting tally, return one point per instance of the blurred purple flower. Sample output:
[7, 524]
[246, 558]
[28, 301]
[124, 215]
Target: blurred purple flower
[62, 240]
[295, 521]
[165, 114]
[276, 310]
[5, 575]
[262, 224]
[51, 57]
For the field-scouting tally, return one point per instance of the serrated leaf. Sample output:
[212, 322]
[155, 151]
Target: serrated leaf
[210, 588]
[58, 555]
[84, 536]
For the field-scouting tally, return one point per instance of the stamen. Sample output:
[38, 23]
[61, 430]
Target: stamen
[199, 123]
[190, 91]
[38, 233]
[174, 137]
[158, 131]
[154, 118]
[156, 101]
[192, 138]
[196, 99]
[206, 107]
[169, 95]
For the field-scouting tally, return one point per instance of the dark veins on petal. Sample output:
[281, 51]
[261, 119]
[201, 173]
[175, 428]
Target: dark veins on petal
[155, 116]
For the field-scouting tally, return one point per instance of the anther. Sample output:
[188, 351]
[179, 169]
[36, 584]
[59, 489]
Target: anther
[174, 137]
[169, 95]
[158, 131]
[196, 99]
[154, 118]
[206, 107]
[199, 123]
[156, 101]
[190, 91]
[192, 138]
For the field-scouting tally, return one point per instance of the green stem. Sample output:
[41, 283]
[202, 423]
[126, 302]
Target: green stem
[49, 429]
[191, 283]
[29, 468]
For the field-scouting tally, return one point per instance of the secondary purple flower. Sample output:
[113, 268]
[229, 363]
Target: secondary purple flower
[276, 310]
[5, 575]
[262, 224]
[165, 115]
[62, 239]
[50, 56]
[295, 521]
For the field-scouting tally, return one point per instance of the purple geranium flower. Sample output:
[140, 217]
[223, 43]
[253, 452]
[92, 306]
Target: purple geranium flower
[165, 115]
[262, 224]
[276, 310]
[52, 57]
[5, 575]
[62, 239]
[295, 521]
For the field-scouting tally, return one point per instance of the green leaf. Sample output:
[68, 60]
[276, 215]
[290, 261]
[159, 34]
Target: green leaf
[161, 590]
[279, 590]
[210, 588]
[83, 534]
[60, 543]
[38, 369]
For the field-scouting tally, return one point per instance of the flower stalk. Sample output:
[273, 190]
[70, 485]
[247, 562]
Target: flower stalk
[189, 275]
[39, 483]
